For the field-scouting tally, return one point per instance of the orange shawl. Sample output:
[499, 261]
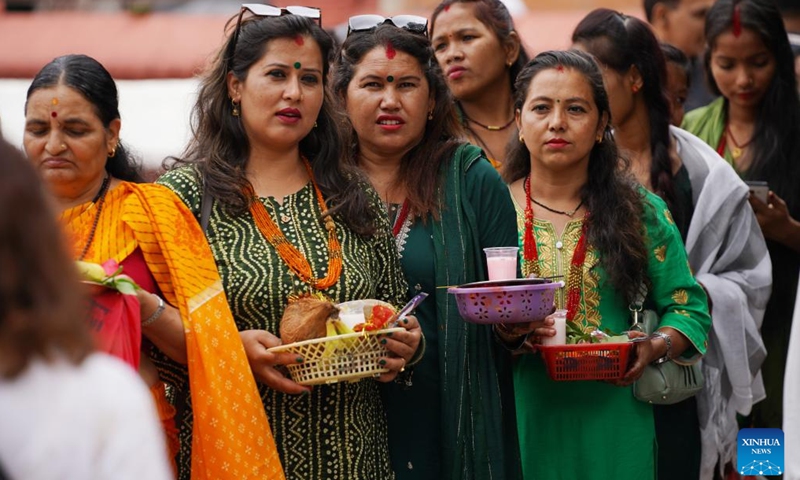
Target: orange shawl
[231, 437]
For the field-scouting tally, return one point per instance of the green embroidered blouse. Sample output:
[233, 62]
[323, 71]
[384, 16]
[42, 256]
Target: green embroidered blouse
[582, 429]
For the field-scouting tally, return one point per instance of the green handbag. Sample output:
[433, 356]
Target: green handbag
[665, 383]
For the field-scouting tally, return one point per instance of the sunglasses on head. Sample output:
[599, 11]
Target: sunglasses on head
[366, 23]
[263, 10]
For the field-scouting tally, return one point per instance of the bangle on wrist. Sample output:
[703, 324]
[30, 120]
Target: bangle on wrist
[667, 340]
[157, 313]
[507, 339]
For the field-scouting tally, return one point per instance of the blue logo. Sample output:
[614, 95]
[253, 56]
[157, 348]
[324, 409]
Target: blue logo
[759, 451]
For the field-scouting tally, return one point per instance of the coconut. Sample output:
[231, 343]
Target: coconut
[305, 317]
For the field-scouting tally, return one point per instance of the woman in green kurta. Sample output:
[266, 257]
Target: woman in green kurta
[272, 159]
[566, 164]
[451, 416]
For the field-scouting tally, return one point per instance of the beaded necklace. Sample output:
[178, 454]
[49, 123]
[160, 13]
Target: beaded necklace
[99, 199]
[530, 255]
[290, 255]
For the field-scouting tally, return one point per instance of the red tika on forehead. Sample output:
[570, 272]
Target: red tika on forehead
[560, 68]
[390, 51]
[737, 21]
[299, 40]
[446, 8]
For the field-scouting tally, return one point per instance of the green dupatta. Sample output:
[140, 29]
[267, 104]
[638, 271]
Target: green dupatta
[708, 123]
[479, 434]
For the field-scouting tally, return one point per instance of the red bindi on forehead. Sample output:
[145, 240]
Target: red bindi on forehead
[299, 40]
[390, 51]
[560, 68]
[446, 8]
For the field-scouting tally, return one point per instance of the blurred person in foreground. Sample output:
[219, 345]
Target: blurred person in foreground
[66, 411]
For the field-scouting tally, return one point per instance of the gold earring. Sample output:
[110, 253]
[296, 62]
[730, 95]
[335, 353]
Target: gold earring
[113, 152]
[599, 138]
[521, 139]
[315, 124]
[430, 115]
[235, 108]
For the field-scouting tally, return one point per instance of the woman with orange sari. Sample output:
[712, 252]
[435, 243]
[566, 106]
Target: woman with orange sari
[72, 138]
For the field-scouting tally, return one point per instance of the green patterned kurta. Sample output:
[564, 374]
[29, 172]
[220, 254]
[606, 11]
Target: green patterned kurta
[588, 429]
[337, 431]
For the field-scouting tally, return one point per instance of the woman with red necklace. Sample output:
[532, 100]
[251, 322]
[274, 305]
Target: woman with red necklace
[580, 216]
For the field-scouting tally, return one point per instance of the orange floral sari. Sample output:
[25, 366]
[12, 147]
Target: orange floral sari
[231, 437]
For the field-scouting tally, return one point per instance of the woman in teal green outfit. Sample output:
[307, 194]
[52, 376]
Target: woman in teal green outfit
[451, 416]
[581, 217]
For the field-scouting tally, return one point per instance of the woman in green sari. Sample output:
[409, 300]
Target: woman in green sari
[608, 238]
[452, 415]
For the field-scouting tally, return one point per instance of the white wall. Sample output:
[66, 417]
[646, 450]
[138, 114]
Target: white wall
[155, 115]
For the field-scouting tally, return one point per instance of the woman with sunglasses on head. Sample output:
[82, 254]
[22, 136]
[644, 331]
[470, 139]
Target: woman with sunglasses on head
[581, 216]
[285, 216]
[480, 54]
[72, 137]
[755, 126]
[452, 415]
[710, 206]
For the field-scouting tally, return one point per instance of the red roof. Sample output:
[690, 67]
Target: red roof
[171, 45]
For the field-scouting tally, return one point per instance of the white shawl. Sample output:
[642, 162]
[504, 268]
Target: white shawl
[727, 252]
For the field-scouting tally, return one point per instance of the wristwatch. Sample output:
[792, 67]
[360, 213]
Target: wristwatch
[668, 340]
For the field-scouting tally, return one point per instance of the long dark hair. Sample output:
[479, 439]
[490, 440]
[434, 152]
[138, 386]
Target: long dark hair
[219, 148]
[620, 42]
[495, 15]
[776, 138]
[419, 171]
[615, 226]
[91, 79]
[40, 313]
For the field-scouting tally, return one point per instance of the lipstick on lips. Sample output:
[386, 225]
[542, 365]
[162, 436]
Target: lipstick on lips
[455, 72]
[390, 122]
[557, 143]
[289, 115]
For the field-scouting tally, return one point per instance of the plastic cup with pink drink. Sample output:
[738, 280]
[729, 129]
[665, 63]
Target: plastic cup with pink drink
[501, 262]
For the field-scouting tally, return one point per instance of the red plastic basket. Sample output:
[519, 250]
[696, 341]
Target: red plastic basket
[586, 361]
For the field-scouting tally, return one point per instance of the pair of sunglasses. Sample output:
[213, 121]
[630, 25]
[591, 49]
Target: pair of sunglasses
[263, 10]
[367, 23]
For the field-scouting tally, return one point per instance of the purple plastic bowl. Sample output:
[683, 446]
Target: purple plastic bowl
[506, 304]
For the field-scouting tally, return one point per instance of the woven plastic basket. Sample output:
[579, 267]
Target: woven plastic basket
[349, 357]
[586, 361]
[518, 302]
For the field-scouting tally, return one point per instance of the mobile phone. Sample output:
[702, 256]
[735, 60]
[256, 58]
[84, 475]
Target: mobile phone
[758, 189]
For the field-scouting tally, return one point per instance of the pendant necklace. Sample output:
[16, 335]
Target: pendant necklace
[98, 200]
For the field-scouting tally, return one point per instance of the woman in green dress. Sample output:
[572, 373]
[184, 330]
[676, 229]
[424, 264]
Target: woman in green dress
[581, 217]
[452, 416]
[755, 126]
[286, 216]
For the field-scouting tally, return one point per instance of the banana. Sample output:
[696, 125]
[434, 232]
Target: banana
[331, 331]
[91, 271]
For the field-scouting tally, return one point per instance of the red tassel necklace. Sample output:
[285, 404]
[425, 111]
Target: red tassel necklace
[530, 255]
